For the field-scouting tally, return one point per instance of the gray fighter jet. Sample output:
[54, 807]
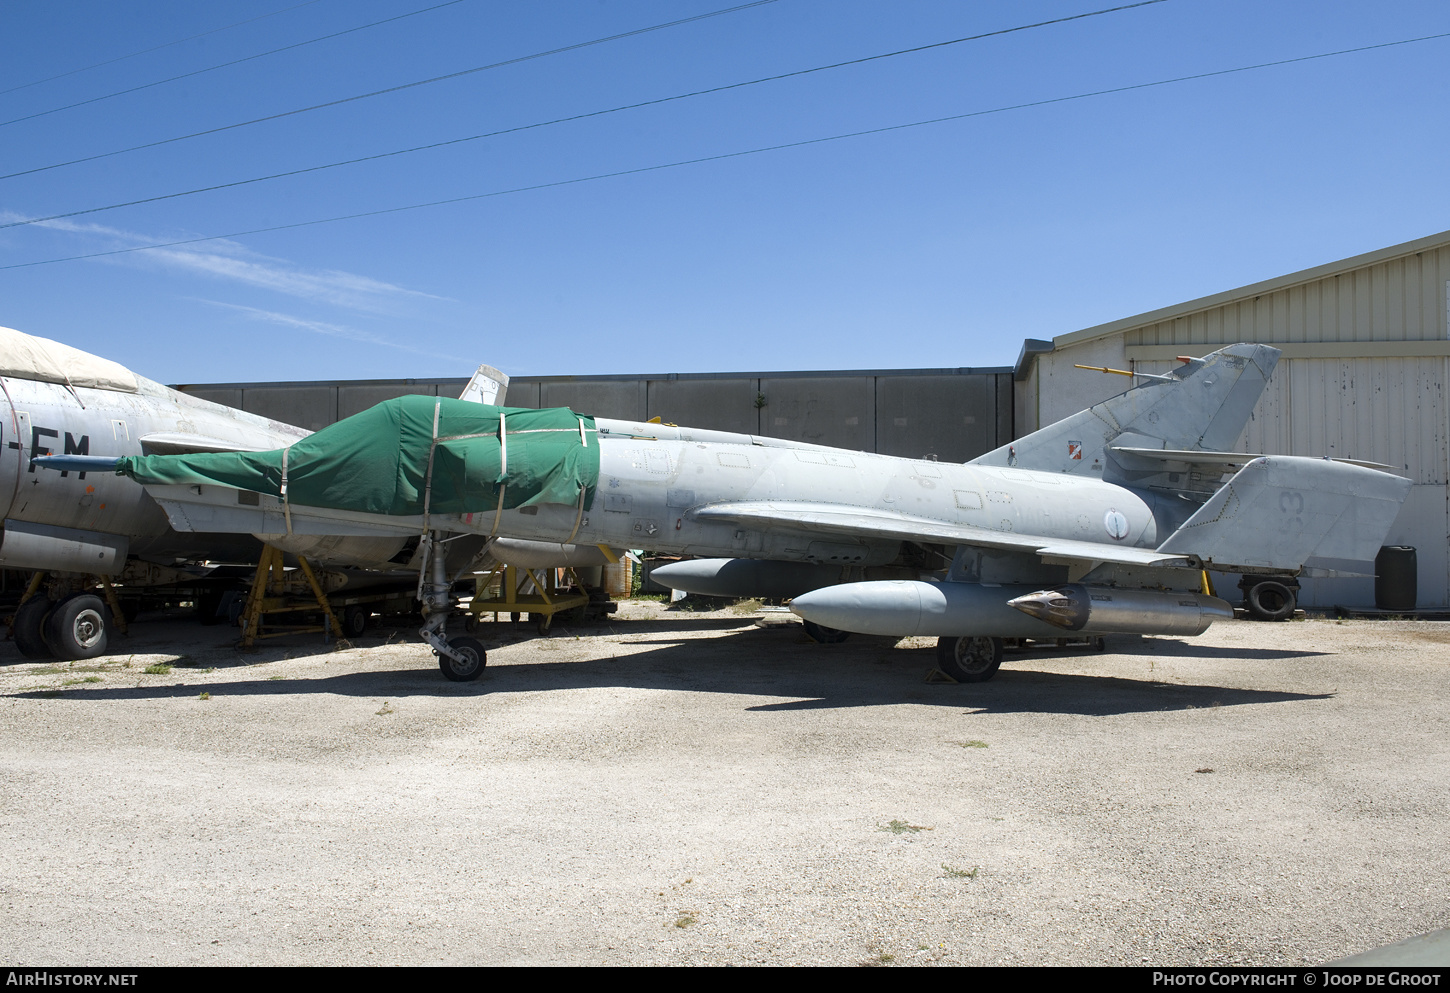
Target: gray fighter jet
[58, 399]
[1101, 523]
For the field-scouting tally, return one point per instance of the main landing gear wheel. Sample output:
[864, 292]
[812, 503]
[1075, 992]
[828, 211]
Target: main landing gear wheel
[29, 626]
[825, 635]
[463, 672]
[969, 660]
[76, 628]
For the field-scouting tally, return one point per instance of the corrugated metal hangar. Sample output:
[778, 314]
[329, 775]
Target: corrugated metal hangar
[1365, 343]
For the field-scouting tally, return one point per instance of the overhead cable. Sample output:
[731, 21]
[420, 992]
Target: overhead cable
[733, 155]
[395, 89]
[148, 51]
[563, 120]
[233, 62]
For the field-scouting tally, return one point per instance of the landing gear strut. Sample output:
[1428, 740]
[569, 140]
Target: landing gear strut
[462, 659]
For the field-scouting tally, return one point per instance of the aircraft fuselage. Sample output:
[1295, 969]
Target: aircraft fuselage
[40, 418]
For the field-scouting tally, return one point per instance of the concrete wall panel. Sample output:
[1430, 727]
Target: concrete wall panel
[522, 393]
[715, 404]
[225, 397]
[355, 399]
[622, 398]
[953, 418]
[835, 411]
[310, 407]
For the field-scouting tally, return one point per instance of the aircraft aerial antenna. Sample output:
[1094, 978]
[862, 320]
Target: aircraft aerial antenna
[73, 390]
[1126, 372]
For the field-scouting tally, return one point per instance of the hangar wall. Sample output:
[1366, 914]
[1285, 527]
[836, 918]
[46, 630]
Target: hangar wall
[952, 414]
[1365, 343]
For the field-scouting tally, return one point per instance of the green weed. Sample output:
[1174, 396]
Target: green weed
[902, 827]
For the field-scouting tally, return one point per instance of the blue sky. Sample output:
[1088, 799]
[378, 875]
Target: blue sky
[935, 246]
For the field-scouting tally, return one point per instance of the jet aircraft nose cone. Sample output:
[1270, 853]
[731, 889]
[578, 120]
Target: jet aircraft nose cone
[1062, 608]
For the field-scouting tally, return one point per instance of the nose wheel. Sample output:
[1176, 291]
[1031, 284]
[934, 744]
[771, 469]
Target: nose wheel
[470, 664]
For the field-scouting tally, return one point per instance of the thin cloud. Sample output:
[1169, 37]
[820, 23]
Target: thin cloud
[323, 327]
[233, 262]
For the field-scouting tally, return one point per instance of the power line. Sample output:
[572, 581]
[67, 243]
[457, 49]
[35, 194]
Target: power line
[395, 89]
[148, 51]
[733, 155]
[224, 65]
[573, 117]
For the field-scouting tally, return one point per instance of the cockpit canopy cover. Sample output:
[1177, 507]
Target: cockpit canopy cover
[24, 356]
[378, 461]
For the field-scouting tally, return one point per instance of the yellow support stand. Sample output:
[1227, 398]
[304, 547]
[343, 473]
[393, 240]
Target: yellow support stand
[542, 605]
[270, 595]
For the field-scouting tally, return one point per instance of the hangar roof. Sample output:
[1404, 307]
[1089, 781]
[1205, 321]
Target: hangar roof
[1034, 346]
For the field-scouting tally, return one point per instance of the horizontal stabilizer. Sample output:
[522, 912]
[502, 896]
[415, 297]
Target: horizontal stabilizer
[1279, 511]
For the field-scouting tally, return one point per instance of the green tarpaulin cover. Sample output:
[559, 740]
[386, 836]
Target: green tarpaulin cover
[377, 462]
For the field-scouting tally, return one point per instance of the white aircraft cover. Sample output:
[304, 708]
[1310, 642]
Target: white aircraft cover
[24, 356]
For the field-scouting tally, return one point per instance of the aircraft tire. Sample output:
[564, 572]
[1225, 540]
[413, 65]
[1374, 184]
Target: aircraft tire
[77, 628]
[29, 624]
[1270, 601]
[470, 648]
[825, 635]
[969, 660]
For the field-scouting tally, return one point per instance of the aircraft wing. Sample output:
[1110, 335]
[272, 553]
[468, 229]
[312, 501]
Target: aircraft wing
[1231, 459]
[857, 522]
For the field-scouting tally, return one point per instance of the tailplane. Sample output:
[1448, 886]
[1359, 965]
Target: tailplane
[1280, 511]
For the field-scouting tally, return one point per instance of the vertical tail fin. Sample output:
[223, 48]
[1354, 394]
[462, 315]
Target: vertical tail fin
[488, 386]
[1202, 405]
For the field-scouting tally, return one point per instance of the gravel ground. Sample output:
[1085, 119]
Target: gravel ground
[693, 788]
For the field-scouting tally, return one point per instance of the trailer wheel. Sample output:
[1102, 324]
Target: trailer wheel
[1270, 601]
[29, 623]
[969, 660]
[355, 621]
[542, 622]
[464, 672]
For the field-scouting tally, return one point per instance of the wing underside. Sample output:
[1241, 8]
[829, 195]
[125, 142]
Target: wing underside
[853, 522]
